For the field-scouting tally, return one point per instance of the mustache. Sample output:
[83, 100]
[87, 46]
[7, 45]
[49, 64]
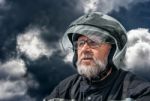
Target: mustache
[87, 56]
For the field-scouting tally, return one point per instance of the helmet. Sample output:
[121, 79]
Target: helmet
[101, 25]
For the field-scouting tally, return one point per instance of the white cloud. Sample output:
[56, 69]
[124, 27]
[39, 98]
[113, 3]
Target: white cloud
[10, 89]
[12, 82]
[107, 6]
[2, 2]
[138, 51]
[89, 5]
[31, 44]
[13, 68]
[4, 5]
[69, 56]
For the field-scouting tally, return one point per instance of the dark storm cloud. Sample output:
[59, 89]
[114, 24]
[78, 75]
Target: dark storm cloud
[54, 15]
[49, 73]
[137, 17]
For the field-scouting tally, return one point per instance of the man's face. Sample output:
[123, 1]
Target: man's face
[92, 57]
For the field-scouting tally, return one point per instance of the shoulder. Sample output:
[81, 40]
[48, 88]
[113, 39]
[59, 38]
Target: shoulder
[135, 80]
[136, 85]
[131, 77]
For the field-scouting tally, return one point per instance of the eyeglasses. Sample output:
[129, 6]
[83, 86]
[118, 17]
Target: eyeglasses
[92, 44]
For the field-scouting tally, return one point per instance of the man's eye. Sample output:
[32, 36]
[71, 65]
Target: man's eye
[81, 43]
[92, 43]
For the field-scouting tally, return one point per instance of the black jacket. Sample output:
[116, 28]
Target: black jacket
[119, 85]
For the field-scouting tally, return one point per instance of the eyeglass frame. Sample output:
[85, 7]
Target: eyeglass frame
[92, 44]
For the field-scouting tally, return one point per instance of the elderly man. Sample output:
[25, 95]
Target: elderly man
[99, 45]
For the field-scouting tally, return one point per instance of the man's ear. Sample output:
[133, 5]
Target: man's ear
[75, 58]
[111, 54]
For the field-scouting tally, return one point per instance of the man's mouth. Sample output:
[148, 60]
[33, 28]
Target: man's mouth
[87, 59]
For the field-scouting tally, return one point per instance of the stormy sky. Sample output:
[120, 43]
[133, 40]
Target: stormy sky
[31, 60]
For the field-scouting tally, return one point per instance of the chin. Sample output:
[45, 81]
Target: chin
[90, 69]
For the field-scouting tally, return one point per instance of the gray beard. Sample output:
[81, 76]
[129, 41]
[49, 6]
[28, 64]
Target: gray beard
[91, 71]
